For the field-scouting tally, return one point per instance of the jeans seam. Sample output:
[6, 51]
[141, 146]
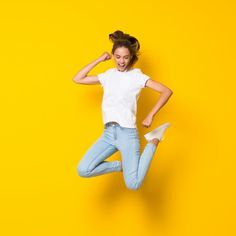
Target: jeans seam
[95, 159]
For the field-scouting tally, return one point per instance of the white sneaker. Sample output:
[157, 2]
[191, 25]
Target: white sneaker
[157, 133]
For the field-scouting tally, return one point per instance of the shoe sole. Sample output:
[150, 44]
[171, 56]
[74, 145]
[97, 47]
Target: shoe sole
[149, 136]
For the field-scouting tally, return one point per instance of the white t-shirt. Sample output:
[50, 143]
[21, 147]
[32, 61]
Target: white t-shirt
[121, 92]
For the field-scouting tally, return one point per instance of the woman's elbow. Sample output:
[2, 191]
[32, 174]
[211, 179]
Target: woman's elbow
[169, 92]
[76, 80]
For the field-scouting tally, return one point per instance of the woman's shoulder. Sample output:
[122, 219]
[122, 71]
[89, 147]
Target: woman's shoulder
[138, 70]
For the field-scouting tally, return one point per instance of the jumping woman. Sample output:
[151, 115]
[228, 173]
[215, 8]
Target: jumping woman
[122, 86]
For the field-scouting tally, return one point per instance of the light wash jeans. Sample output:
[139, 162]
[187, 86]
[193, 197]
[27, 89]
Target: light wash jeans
[126, 140]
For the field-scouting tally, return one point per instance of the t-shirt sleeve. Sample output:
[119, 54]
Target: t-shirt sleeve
[142, 78]
[102, 77]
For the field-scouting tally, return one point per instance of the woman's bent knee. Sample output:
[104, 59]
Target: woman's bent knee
[132, 185]
[82, 171]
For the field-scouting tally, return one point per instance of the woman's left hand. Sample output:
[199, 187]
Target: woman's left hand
[148, 121]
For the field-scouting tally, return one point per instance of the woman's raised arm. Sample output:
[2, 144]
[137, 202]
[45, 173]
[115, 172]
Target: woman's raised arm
[81, 76]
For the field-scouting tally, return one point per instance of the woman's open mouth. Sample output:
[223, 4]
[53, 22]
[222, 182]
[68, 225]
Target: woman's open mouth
[122, 66]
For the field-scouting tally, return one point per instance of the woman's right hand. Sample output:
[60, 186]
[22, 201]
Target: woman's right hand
[105, 56]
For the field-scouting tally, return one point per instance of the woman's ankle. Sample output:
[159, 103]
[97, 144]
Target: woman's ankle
[155, 141]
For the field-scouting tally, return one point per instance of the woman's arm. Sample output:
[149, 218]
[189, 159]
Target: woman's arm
[82, 78]
[164, 97]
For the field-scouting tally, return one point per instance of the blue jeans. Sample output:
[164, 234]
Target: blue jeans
[126, 140]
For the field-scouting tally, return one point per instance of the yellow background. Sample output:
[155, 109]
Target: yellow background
[48, 122]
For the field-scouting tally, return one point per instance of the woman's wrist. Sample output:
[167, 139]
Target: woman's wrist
[151, 115]
[98, 60]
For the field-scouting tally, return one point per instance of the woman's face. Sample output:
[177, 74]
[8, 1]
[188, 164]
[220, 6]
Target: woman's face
[122, 58]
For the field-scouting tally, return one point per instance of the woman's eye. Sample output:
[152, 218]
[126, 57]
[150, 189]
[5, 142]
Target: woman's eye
[124, 58]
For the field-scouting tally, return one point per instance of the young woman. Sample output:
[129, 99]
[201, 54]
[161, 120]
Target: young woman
[122, 85]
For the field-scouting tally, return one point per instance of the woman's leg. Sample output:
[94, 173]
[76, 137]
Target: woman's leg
[135, 166]
[93, 164]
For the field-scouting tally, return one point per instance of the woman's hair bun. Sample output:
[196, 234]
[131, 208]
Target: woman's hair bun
[117, 35]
